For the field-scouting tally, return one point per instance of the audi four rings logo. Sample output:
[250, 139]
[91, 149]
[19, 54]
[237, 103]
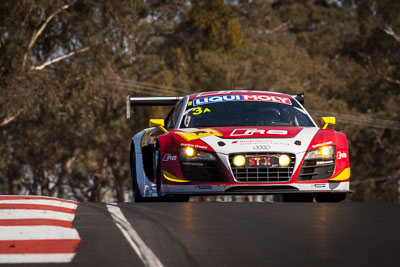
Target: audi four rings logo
[261, 147]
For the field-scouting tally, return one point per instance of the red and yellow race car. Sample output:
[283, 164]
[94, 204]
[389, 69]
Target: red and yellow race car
[238, 143]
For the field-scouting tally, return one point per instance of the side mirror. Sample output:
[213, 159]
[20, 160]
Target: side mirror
[157, 123]
[325, 121]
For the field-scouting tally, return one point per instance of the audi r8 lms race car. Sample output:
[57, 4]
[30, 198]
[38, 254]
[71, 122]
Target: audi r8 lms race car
[238, 143]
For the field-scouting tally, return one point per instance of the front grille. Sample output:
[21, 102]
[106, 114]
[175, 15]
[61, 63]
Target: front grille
[263, 174]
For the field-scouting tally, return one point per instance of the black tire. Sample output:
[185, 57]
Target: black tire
[162, 197]
[177, 198]
[330, 197]
[297, 197]
[135, 188]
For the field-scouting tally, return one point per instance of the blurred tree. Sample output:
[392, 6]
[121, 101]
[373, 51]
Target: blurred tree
[209, 25]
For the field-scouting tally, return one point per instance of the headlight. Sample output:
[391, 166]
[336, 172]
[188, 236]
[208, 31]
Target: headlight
[190, 153]
[239, 160]
[324, 152]
[284, 160]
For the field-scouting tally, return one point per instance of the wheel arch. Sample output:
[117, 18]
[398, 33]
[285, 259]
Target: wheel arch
[144, 184]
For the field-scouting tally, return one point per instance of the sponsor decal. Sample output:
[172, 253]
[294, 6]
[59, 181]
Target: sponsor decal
[281, 132]
[260, 161]
[324, 162]
[259, 141]
[195, 146]
[261, 147]
[267, 98]
[250, 132]
[168, 157]
[214, 99]
[323, 144]
[319, 185]
[209, 187]
[224, 98]
[193, 163]
[197, 134]
[246, 132]
[263, 160]
[341, 155]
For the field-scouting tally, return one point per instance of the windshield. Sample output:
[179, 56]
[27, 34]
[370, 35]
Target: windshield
[200, 113]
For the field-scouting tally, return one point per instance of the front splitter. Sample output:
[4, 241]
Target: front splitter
[249, 189]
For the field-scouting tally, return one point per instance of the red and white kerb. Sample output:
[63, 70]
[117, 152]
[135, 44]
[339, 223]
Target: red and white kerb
[37, 229]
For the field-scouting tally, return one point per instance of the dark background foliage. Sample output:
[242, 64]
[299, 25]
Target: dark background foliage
[67, 66]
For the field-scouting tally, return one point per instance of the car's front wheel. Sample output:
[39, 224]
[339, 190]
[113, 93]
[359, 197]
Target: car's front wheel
[297, 197]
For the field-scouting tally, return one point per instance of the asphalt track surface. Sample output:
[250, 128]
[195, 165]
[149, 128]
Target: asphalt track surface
[240, 234]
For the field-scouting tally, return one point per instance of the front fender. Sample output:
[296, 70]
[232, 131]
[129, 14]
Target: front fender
[146, 187]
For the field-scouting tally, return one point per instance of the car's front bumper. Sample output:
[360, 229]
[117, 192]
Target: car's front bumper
[256, 189]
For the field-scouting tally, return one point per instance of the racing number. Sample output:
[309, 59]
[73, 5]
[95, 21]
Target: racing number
[199, 110]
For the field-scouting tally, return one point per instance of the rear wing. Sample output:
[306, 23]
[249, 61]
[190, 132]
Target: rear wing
[150, 101]
[299, 97]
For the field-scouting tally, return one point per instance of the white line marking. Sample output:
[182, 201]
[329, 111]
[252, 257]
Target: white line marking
[36, 258]
[54, 203]
[35, 214]
[137, 244]
[37, 232]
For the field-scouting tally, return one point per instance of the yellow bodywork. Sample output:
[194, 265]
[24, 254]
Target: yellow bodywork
[197, 134]
[344, 175]
[170, 177]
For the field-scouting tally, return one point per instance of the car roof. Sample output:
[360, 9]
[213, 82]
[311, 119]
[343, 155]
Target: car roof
[236, 92]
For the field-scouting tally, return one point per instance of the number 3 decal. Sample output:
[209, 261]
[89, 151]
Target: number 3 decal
[199, 110]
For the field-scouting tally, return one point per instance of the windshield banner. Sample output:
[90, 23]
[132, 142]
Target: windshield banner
[266, 98]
